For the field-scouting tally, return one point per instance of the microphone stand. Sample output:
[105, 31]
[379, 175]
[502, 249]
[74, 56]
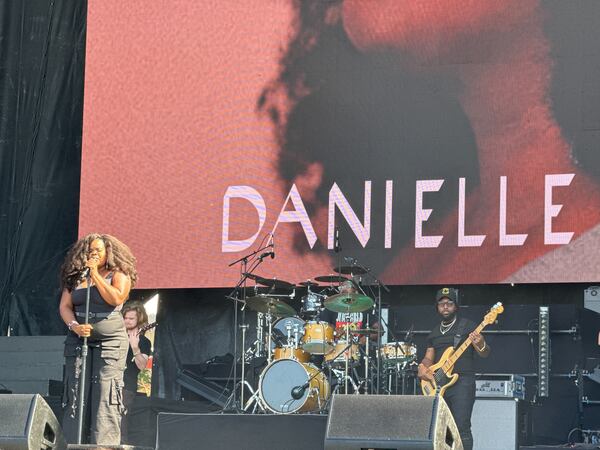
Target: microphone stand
[244, 273]
[84, 355]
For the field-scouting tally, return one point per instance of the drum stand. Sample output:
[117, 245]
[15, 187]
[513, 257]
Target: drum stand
[254, 400]
[342, 376]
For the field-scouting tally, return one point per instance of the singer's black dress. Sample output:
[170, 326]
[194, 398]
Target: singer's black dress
[108, 345]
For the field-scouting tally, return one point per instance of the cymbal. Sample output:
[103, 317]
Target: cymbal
[271, 282]
[308, 283]
[348, 302]
[274, 282]
[350, 270]
[331, 278]
[270, 305]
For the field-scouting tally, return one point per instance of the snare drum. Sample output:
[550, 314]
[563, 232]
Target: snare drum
[318, 337]
[337, 359]
[280, 377]
[291, 353]
[394, 353]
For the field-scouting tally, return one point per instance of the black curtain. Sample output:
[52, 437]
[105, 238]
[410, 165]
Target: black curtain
[42, 52]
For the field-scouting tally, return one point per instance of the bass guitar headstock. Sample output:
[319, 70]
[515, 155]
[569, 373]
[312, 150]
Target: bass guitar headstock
[491, 316]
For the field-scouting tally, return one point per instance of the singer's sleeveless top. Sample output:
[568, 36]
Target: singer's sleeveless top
[97, 303]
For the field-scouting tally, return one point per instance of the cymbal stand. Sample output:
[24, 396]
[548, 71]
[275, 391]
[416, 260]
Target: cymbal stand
[348, 351]
[254, 400]
[259, 335]
[366, 356]
[341, 375]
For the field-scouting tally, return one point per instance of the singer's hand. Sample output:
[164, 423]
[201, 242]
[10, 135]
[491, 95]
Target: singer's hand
[92, 264]
[83, 330]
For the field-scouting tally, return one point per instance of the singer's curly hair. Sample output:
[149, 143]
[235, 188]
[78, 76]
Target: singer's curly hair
[138, 307]
[118, 257]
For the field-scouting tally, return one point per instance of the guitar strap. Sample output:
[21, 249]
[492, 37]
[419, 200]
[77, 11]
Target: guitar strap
[460, 330]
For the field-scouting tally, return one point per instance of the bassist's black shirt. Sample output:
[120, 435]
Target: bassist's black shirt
[440, 342]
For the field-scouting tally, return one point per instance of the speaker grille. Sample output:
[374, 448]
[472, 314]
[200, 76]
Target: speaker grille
[390, 421]
[11, 407]
[388, 418]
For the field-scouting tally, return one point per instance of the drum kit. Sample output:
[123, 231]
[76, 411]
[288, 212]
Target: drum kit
[307, 357]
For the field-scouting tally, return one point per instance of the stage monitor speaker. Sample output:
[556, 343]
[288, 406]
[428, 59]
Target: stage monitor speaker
[27, 422]
[390, 422]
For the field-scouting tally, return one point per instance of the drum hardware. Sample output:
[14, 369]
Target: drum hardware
[346, 380]
[379, 285]
[399, 377]
[308, 283]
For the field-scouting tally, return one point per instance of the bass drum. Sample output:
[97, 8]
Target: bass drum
[280, 377]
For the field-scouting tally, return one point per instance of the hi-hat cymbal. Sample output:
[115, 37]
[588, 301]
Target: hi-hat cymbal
[308, 283]
[331, 278]
[348, 302]
[270, 305]
[350, 270]
[271, 282]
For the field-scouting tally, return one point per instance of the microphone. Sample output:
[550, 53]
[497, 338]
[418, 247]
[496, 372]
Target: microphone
[336, 246]
[298, 391]
[84, 273]
[350, 260]
[265, 254]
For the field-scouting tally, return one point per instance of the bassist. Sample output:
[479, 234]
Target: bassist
[451, 332]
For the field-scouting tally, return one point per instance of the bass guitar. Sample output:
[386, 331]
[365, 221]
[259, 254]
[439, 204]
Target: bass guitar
[443, 377]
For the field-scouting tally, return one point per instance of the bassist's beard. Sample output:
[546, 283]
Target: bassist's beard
[448, 318]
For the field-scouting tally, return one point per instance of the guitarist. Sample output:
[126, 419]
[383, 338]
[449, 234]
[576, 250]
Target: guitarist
[451, 332]
[140, 348]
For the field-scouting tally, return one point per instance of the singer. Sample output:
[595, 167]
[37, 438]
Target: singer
[109, 267]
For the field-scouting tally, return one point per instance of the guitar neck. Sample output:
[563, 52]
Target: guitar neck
[460, 350]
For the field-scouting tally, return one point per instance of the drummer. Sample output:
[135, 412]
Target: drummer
[351, 320]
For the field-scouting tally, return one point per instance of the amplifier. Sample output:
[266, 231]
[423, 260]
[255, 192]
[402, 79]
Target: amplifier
[512, 386]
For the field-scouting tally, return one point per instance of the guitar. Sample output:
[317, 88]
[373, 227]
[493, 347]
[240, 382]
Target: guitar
[443, 377]
[147, 327]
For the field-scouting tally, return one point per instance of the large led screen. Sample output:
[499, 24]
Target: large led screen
[427, 141]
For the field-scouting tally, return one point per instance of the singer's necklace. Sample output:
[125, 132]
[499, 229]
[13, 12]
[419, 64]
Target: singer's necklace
[445, 328]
